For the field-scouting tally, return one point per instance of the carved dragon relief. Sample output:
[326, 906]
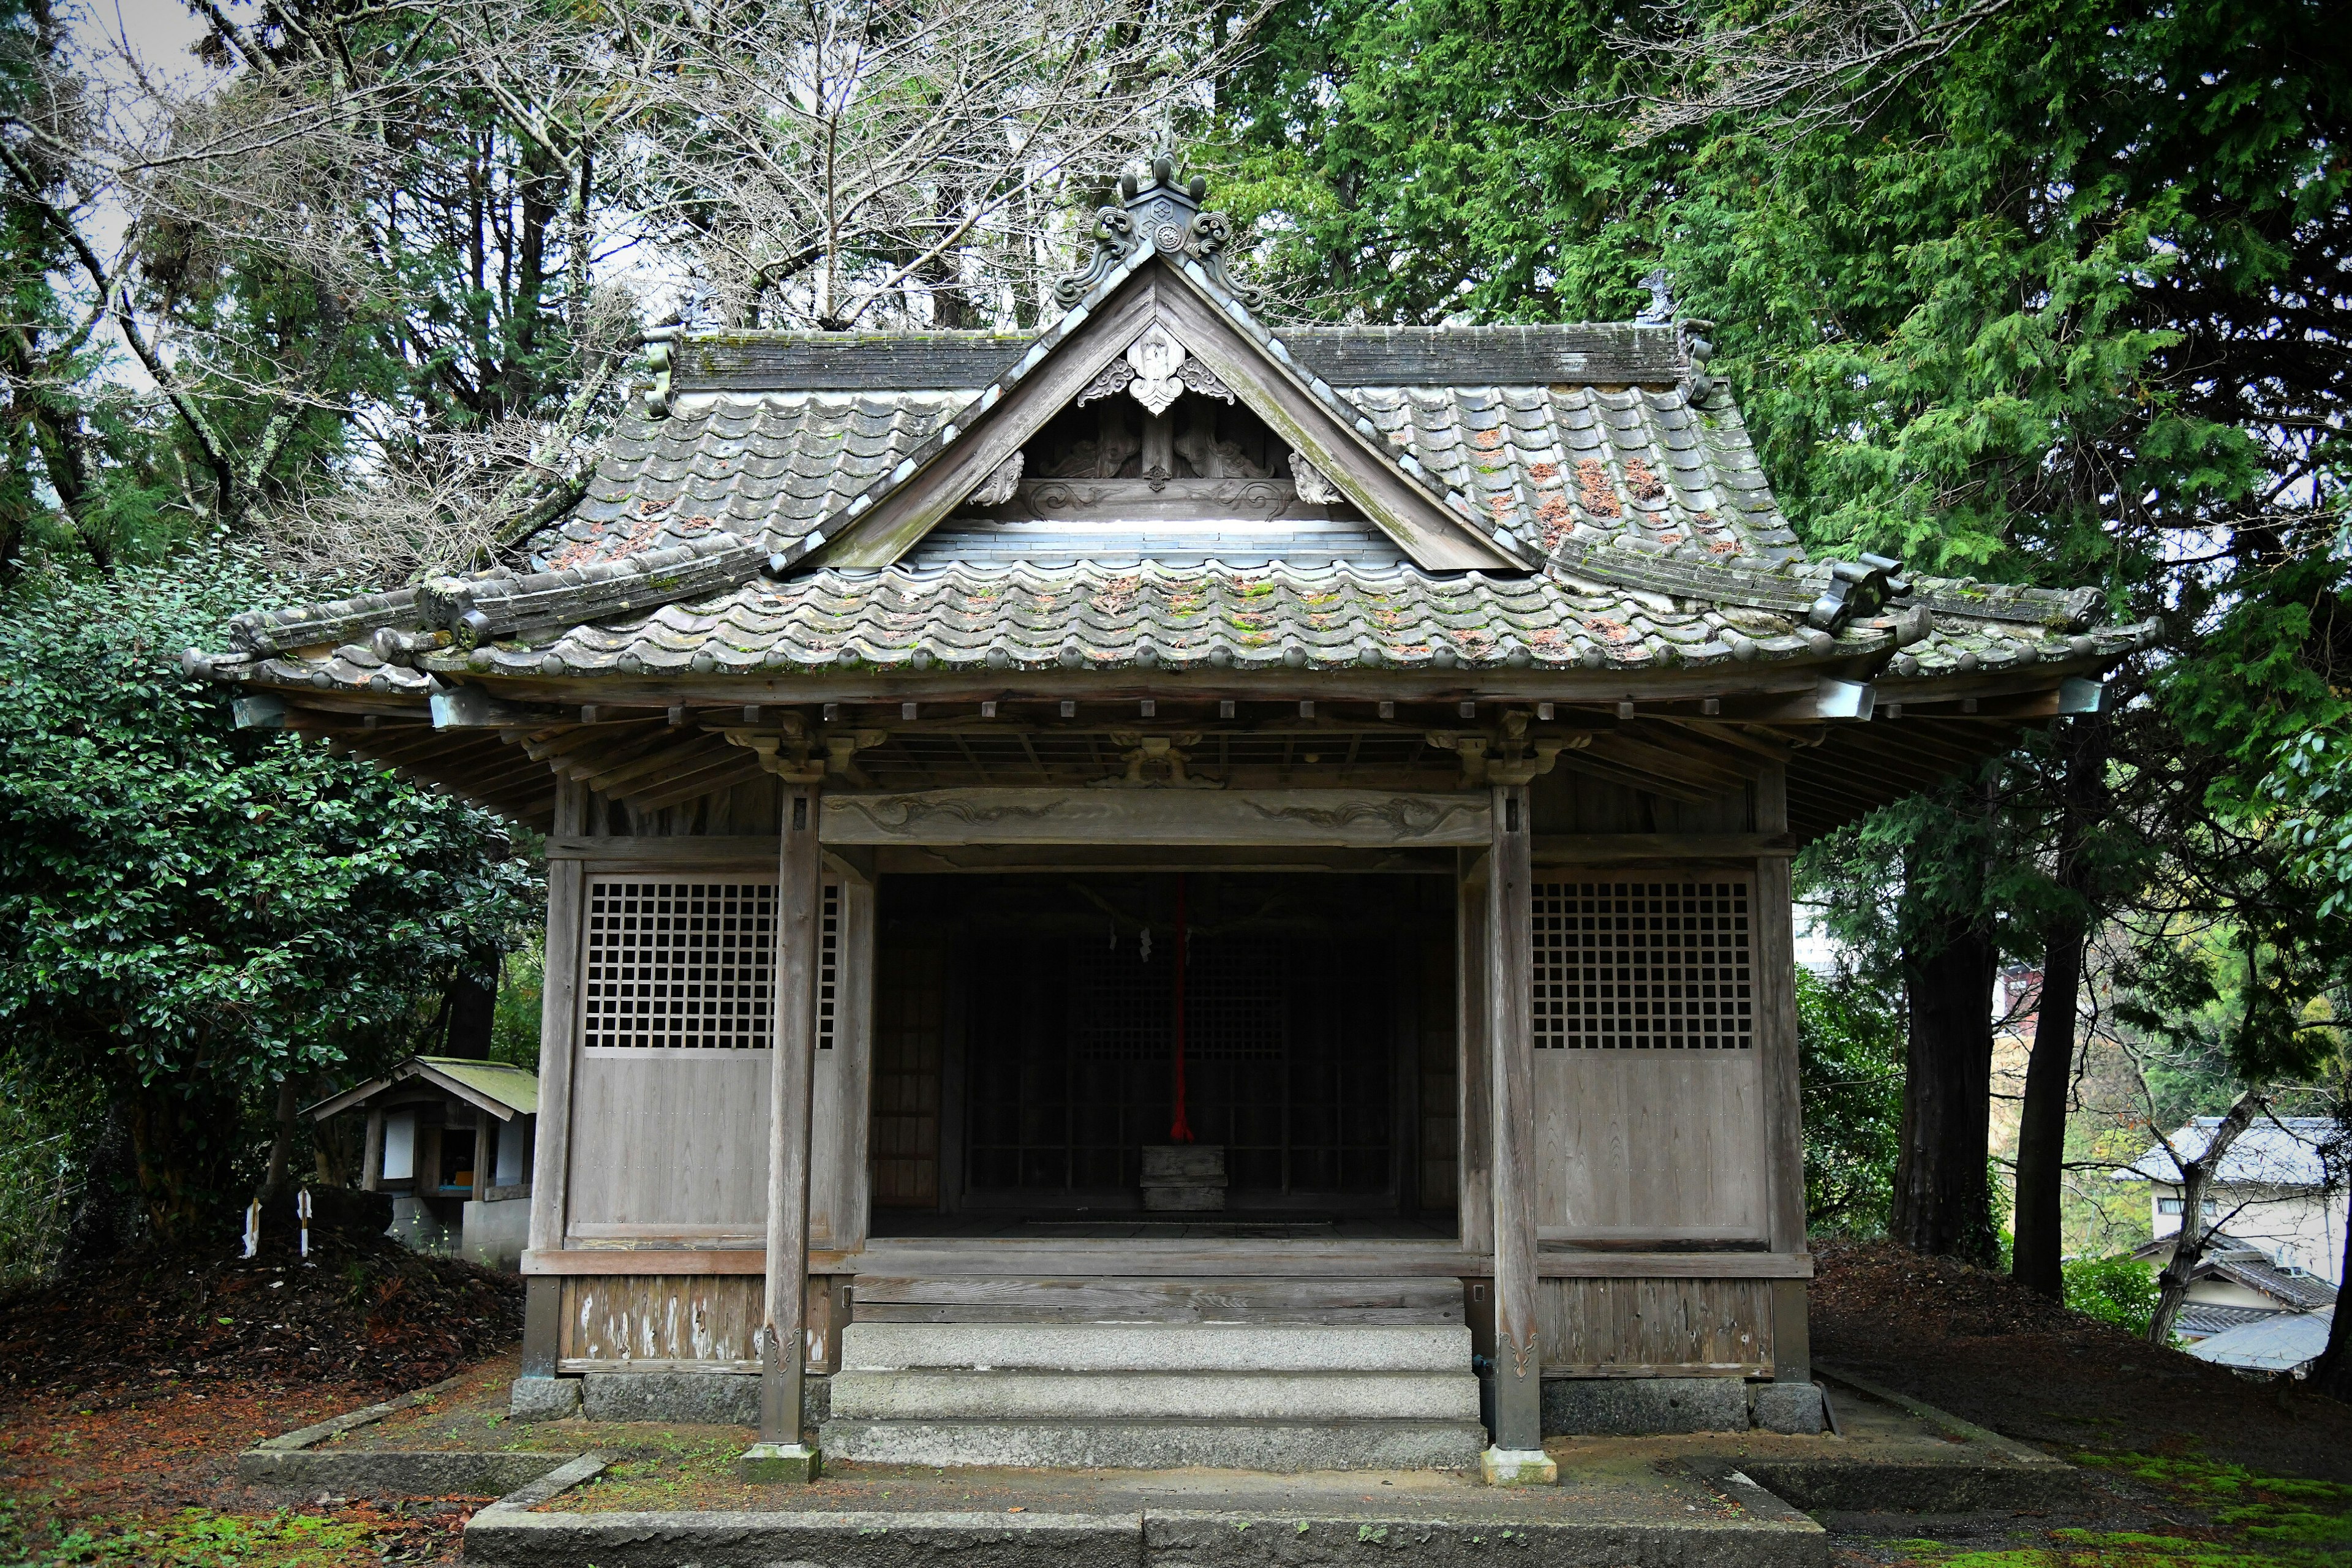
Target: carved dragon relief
[903, 813]
[1406, 817]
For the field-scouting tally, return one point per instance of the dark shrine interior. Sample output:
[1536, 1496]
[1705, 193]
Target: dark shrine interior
[1027, 1049]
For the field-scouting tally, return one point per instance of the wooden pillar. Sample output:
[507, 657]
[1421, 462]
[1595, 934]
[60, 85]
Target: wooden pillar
[1516, 1457]
[1473, 1064]
[800, 875]
[1776, 1041]
[559, 1048]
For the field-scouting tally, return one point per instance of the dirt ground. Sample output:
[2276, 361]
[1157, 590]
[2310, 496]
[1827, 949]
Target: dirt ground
[128, 1394]
[1974, 1343]
[131, 1388]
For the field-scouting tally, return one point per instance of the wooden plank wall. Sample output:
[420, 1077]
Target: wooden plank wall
[1658, 1146]
[685, 1322]
[1651, 1328]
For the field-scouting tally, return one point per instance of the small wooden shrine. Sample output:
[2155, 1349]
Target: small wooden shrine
[1169, 890]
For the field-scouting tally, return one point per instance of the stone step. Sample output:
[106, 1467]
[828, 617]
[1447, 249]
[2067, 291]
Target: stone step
[991, 1299]
[1032, 1395]
[1159, 1444]
[1156, 1347]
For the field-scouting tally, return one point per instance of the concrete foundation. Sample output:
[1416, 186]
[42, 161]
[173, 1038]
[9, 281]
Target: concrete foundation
[494, 1234]
[1641, 1406]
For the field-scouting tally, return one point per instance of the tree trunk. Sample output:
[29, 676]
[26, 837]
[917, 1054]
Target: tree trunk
[2035, 1257]
[183, 1149]
[2188, 1247]
[471, 1008]
[281, 1141]
[1942, 1205]
[2041, 1122]
[2333, 1374]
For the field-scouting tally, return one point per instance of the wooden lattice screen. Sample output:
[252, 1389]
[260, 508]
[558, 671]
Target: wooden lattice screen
[679, 964]
[1643, 965]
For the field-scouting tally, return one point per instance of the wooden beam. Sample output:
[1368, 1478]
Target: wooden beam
[682, 850]
[1140, 858]
[1126, 1259]
[1607, 848]
[1342, 819]
[800, 875]
[1777, 1050]
[1518, 1359]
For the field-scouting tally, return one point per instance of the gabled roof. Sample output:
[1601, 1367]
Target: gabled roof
[2282, 1151]
[503, 1090]
[1571, 515]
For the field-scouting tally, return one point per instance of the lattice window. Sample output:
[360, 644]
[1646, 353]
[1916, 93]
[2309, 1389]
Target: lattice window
[684, 966]
[828, 962]
[1642, 966]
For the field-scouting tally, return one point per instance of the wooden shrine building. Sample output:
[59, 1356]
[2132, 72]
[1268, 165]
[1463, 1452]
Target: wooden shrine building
[1147, 893]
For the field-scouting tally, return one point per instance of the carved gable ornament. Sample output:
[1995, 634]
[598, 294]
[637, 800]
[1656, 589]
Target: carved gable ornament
[1155, 370]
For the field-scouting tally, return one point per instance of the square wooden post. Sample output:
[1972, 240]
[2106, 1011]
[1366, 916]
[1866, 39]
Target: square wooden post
[559, 1048]
[1517, 1457]
[780, 1455]
[1784, 1118]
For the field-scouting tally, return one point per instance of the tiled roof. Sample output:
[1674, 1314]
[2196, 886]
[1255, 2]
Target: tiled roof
[1633, 466]
[2284, 1152]
[1095, 616]
[765, 466]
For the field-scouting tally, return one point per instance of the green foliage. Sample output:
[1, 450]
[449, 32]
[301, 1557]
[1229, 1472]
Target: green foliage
[42, 1127]
[1851, 1055]
[190, 913]
[514, 1030]
[2119, 1291]
[190, 1538]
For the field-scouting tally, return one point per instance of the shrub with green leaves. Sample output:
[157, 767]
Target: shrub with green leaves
[2119, 1291]
[191, 912]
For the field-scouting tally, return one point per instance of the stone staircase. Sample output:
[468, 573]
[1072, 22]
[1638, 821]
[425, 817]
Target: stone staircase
[1147, 1373]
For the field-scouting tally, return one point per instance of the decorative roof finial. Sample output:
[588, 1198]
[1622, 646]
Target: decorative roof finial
[1661, 309]
[1158, 210]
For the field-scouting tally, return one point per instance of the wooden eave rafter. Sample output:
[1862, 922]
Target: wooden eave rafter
[1425, 530]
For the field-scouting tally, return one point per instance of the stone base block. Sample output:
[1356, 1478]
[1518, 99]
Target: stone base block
[1640, 1406]
[1033, 1395]
[709, 1398]
[1519, 1468]
[1793, 1407]
[769, 1462]
[543, 1398]
[1142, 1444]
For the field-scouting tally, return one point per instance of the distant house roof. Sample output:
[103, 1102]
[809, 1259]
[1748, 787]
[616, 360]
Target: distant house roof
[2203, 1320]
[2242, 1263]
[2282, 1152]
[502, 1091]
[2284, 1342]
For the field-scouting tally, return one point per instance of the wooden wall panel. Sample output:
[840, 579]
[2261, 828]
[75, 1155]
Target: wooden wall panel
[1631, 1328]
[670, 1137]
[1649, 1145]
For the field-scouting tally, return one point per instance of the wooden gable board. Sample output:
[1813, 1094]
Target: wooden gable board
[1424, 529]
